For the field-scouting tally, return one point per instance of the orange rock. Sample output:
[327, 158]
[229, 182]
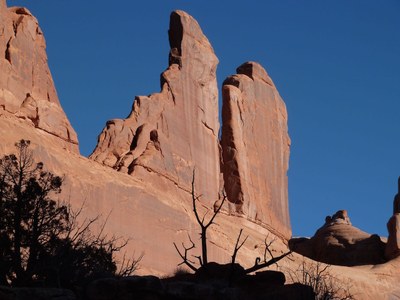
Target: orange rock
[164, 137]
[170, 133]
[26, 86]
[338, 242]
[255, 148]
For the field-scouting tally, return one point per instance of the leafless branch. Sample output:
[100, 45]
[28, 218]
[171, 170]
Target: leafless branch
[258, 266]
[184, 256]
[238, 245]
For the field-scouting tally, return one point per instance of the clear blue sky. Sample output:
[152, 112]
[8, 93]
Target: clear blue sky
[336, 65]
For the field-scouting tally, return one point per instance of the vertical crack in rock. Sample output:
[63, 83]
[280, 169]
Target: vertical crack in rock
[175, 35]
[7, 52]
[135, 138]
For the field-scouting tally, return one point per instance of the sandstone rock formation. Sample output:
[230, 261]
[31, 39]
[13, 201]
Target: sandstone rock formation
[154, 213]
[392, 249]
[255, 147]
[26, 86]
[172, 132]
[338, 242]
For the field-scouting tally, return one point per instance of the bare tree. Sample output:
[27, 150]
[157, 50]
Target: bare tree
[204, 225]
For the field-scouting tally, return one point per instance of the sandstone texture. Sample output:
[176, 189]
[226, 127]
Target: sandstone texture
[338, 242]
[255, 148]
[26, 86]
[170, 133]
[146, 197]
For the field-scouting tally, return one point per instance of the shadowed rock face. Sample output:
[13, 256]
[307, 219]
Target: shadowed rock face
[338, 242]
[255, 148]
[170, 133]
[26, 86]
[393, 243]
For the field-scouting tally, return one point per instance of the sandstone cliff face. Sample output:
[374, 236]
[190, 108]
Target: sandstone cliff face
[255, 147]
[159, 146]
[26, 86]
[170, 133]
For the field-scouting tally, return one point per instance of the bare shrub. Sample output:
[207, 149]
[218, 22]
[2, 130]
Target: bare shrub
[325, 285]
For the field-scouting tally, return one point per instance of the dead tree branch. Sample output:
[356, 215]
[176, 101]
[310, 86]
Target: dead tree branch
[204, 225]
[184, 256]
[238, 245]
[260, 264]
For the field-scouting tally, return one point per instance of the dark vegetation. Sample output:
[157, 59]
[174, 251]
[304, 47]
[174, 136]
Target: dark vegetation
[42, 241]
[318, 276]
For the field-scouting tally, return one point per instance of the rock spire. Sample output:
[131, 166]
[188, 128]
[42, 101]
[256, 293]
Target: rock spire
[255, 147]
[168, 134]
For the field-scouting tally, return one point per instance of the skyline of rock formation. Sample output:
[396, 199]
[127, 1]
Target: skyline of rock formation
[153, 207]
[171, 133]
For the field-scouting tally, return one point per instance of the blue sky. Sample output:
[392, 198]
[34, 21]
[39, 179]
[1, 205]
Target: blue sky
[336, 64]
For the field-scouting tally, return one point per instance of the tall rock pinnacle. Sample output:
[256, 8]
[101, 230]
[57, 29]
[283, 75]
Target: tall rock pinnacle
[255, 146]
[170, 133]
[175, 131]
[26, 85]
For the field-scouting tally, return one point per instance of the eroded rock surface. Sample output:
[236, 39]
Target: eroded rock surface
[152, 213]
[255, 147]
[170, 133]
[338, 242]
[26, 85]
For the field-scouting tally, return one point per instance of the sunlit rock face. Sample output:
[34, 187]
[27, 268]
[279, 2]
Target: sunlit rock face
[26, 86]
[171, 133]
[255, 148]
[154, 150]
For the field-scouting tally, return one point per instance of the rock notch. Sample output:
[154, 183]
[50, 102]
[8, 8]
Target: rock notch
[26, 85]
[255, 148]
[172, 132]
